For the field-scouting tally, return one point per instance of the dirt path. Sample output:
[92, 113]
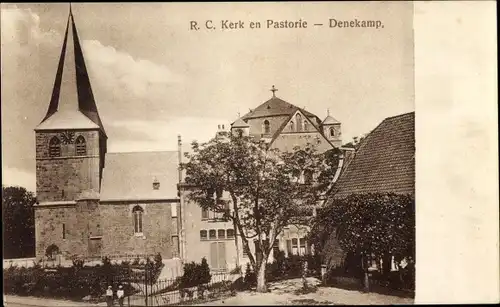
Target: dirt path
[283, 293]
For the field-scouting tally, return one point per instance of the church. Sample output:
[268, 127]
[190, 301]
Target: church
[92, 203]
[279, 124]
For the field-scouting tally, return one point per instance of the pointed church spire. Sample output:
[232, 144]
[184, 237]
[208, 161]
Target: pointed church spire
[72, 104]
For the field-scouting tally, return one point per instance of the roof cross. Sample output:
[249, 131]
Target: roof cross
[273, 89]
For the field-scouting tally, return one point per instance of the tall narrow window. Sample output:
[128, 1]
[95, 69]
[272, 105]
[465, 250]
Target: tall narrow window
[298, 120]
[289, 247]
[80, 146]
[204, 213]
[267, 128]
[306, 125]
[302, 243]
[295, 246]
[64, 231]
[332, 131]
[137, 212]
[292, 126]
[55, 147]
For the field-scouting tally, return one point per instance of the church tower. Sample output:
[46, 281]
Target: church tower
[70, 148]
[332, 130]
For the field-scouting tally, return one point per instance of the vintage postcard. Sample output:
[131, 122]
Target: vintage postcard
[271, 153]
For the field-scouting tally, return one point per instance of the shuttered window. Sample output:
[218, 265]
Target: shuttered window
[218, 255]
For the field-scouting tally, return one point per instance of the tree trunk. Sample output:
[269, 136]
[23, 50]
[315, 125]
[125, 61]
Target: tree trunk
[261, 276]
[366, 280]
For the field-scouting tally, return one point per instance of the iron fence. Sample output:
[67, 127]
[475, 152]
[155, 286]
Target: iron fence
[166, 292]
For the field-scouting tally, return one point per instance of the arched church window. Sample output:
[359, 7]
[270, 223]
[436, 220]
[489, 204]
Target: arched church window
[137, 213]
[332, 131]
[292, 126]
[306, 125]
[55, 147]
[80, 146]
[267, 128]
[298, 119]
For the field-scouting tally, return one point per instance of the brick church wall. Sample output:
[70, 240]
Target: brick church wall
[79, 221]
[159, 229]
[63, 178]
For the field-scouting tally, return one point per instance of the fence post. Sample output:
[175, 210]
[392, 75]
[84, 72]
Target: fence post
[323, 273]
[146, 284]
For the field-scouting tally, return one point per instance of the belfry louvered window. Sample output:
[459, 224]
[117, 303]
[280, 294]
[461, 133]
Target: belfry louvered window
[55, 147]
[80, 146]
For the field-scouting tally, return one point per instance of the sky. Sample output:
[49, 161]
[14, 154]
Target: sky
[153, 78]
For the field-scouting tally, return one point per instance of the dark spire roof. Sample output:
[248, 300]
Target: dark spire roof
[72, 105]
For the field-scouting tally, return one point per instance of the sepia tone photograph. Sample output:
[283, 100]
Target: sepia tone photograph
[164, 154]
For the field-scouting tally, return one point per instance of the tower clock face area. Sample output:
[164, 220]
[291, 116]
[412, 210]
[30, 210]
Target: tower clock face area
[67, 137]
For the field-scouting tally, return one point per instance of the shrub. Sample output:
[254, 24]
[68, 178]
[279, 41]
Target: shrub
[158, 260]
[136, 261]
[236, 270]
[196, 274]
[250, 277]
[78, 263]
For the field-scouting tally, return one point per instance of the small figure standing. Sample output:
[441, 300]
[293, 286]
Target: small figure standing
[109, 296]
[121, 295]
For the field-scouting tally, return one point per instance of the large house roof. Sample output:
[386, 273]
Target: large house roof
[130, 176]
[72, 105]
[274, 107]
[384, 161]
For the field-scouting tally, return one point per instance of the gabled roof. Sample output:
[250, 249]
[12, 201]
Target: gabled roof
[274, 107]
[283, 125]
[384, 161]
[72, 105]
[330, 121]
[130, 176]
[239, 123]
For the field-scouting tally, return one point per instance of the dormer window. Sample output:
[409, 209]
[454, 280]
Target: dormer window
[156, 184]
[332, 131]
